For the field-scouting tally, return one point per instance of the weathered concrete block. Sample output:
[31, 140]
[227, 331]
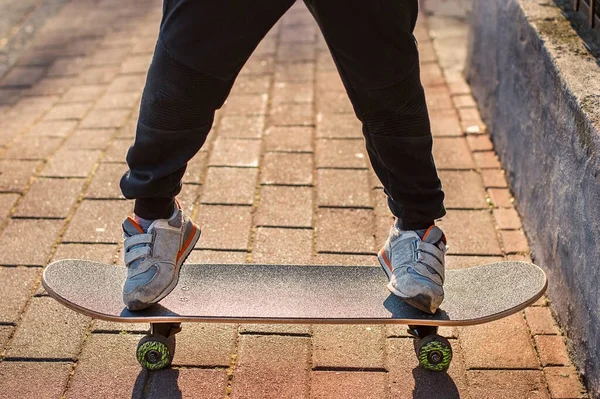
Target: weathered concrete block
[538, 89]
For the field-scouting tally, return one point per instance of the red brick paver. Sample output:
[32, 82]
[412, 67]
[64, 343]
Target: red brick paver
[283, 178]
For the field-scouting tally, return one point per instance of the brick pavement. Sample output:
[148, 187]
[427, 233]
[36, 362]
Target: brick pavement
[286, 133]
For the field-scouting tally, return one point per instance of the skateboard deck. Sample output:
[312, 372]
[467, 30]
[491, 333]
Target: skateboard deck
[296, 294]
[251, 293]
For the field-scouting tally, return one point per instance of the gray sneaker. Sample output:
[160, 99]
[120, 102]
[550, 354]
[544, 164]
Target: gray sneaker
[153, 258]
[415, 266]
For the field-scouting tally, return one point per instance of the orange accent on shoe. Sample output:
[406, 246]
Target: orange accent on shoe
[187, 243]
[429, 229]
[136, 224]
[386, 259]
[427, 232]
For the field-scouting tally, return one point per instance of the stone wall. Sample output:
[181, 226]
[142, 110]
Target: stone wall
[538, 89]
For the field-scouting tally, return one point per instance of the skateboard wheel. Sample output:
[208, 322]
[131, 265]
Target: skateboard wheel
[155, 352]
[434, 353]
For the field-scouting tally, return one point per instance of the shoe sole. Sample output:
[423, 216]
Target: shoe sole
[173, 284]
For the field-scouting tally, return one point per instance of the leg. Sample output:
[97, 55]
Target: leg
[201, 48]
[377, 57]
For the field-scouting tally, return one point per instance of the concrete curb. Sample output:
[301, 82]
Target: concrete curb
[538, 89]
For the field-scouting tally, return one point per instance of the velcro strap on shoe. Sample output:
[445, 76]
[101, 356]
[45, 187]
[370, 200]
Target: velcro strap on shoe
[431, 255]
[435, 267]
[137, 240]
[425, 271]
[136, 253]
[435, 250]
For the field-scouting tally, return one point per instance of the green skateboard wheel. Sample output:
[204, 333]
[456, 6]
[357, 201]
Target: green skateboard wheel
[434, 353]
[155, 352]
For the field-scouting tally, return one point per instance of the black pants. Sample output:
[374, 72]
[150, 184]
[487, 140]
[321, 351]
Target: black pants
[201, 48]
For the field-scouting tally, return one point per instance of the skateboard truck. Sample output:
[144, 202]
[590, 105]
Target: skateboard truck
[155, 351]
[434, 352]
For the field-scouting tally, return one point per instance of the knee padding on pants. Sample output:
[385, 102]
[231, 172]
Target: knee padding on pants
[177, 97]
[396, 110]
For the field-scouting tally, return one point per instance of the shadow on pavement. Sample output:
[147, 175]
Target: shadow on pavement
[432, 385]
[157, 384]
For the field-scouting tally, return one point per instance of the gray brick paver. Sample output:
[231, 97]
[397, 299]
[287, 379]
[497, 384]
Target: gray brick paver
[19, 235]
[242, 127]
[70, 163]
[15, 174]
[68, 111]
[463, 189]
[44, 380]
[274, 207]
[107, 368]
[492, 384]
[334, 384]
[17, 284]
[49, 198]
[48, 331]
[343, 188]
[360, 346]
[471, 232]
[98, 222]
[217, 346]
[271, 366]
[233, 186]
[289, 139]
[235, 153]
[224, 227]
[356, 236]
[563, 383]
[251, 84]
[283, 246]
[32, 147]
[105, 183]
[291, 114]
[502, 344]
[341, 154]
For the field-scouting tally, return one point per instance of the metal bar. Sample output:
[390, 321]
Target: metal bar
[592, 12]
[576, 5]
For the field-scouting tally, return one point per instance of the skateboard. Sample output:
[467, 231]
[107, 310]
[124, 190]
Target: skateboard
[252, 293]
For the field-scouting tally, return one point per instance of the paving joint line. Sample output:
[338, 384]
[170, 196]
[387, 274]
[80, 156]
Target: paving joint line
[278, 334]
[39, 359]
[347, 253]
[264, 226]
[363, 207]
[351, 369]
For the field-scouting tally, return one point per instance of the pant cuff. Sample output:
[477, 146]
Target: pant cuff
[154, 208]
